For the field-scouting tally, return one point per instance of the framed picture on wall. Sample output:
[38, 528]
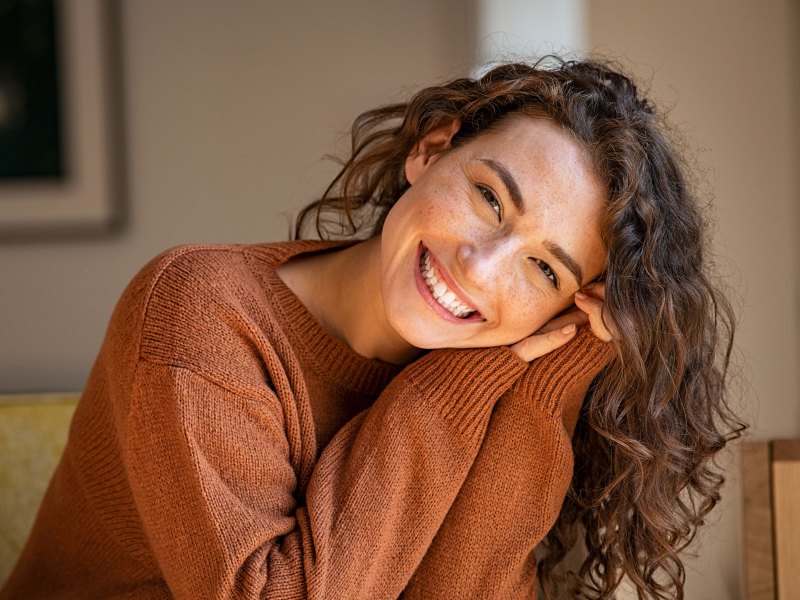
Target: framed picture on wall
[60, 120]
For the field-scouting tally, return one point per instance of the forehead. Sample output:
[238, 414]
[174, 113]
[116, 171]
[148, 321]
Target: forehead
[532, 139]
[546, 161]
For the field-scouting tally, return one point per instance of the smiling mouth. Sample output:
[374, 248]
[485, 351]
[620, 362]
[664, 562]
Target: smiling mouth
[443, 295]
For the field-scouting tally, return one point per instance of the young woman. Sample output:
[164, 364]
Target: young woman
[520, 344]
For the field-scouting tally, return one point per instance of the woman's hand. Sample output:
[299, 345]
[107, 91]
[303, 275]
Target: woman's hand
[589, 302]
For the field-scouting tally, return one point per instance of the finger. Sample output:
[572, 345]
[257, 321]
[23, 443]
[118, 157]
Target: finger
[595, 289]
[594, 309]
[576, 316]
[537, 345]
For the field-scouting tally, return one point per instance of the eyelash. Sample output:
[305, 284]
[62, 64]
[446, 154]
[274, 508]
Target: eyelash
[490, 197]
[548, 271]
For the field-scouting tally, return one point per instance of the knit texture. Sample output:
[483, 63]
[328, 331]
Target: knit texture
[227, 446]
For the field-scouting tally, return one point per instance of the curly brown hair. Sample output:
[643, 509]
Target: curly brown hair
[658, 415]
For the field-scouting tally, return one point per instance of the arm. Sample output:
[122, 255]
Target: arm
[514, 491]
[214, 479]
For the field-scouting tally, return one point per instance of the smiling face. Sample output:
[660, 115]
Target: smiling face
[502, 224]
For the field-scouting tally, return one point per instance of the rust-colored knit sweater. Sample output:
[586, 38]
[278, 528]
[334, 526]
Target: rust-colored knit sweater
[227, 446]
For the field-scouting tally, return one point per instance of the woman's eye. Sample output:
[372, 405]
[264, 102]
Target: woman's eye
[491, 199]
[549, 273]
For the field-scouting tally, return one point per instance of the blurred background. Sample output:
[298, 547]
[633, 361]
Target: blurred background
[215, 116]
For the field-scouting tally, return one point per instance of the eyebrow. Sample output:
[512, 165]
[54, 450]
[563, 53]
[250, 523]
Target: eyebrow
[516, 198]
[508, 180]
[565, 260]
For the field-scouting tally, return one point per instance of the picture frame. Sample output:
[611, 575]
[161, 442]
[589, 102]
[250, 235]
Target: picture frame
[88, 200]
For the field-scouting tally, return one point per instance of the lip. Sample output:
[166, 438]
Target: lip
[430, 300]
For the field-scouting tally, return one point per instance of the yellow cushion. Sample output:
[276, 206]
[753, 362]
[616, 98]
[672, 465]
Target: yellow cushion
[33, 431]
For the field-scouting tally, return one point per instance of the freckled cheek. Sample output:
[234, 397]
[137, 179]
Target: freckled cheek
[444, 207]
[422, 213]
[525, 313]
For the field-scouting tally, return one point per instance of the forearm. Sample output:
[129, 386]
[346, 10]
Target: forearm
[514, 491]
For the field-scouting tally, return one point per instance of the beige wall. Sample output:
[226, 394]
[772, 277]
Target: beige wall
[730, 72]
[229, 108]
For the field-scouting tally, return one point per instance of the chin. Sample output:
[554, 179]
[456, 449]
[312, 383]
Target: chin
[427, 340]
[413, 336]
[415, 332]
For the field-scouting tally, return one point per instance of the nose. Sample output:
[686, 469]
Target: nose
[487, 264]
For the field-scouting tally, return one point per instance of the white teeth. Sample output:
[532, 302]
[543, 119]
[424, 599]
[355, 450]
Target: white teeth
[444, 297]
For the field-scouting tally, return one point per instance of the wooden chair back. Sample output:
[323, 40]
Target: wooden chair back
[771, 486]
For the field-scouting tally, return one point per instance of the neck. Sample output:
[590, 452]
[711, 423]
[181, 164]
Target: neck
[344, 294]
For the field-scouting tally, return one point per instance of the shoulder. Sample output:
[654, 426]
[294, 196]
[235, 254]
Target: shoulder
[201, 307]
[174, 266]
[184, 275]
[213, 281]
[183, 278]
[205, 307]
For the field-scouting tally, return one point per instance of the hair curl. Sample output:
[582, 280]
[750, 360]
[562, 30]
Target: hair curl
[658, 415]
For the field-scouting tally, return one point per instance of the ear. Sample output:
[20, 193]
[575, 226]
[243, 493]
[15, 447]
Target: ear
[429, 148]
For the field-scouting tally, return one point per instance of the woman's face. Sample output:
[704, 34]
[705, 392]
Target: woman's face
[507, 224]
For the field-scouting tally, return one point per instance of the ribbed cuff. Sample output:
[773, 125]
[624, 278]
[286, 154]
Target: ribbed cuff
[464, 384]
[563, 376]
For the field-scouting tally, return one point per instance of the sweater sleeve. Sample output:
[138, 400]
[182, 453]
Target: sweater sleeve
[515, 488]
[211, 472]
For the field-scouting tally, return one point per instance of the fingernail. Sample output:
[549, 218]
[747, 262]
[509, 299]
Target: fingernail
[580, 296]
[567, 329]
